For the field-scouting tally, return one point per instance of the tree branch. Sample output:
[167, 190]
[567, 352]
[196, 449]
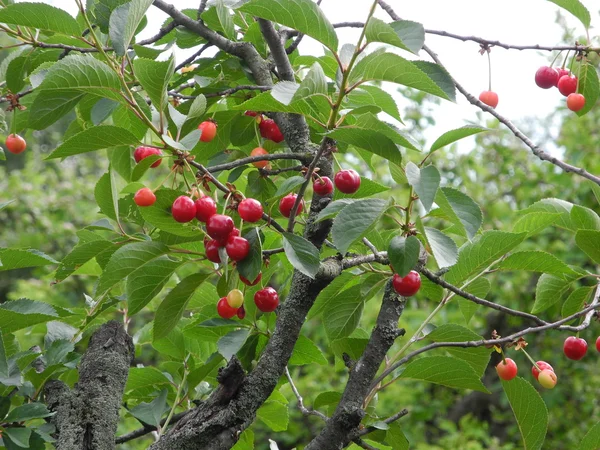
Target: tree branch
[148, 429]
[301, 407]
[252, 159]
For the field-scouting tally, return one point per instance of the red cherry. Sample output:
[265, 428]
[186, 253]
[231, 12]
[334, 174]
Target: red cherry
[251, 113]
[276, 134]
[183, 209]
[548, 379]
[543, 365]
[259, 151]
[507, 369]
[567, 85]
[546, 77]
[597, 342]
[205, 207]
[209, 130]
[287, 203]
[250, 210]
[561, 73]
[575, 348]
[241, 312]
[234, 232]
[266, 299]
[15, 144]
[143, 152]
[490, 98]
[237, 248]
[144, 197]
[347, 181]
[575, 102]
[219, 226]
[408, 285]
[224, 310]
[269, 130]
[323, 186]
[211, 248]
[247, 282]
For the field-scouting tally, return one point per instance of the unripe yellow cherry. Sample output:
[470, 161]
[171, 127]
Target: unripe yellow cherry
[235, 298]
[547, 379]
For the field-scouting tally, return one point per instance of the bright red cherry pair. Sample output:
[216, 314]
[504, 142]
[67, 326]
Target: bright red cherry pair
[347, 181]
[266, 299]
[250, 210]
[286, 204]
[575, 348]
[143, 152]
[408, 285]
[269, 130]
[208, 129]
[15, 144]
[490, 98]
[507, 369]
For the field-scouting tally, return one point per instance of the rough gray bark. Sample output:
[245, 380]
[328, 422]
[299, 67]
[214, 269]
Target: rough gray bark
[338, 431]
[87, 416]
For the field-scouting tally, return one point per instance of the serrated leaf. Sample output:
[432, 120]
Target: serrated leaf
[172, 307]
[425, 182]
[535, 222]
[275, 415]
[403, 253]
[152, 412]
[589, 86]
[536, 261]
[591, 440]
[302, 15]
[333, 208]
[411, 33]
[302, 254]
[81, 254]
[342, 313]
[124, 21]
[576, 8]
[92, 139]
[371, 140]
[584, 218]
[18, 314]
[225, 19]
[480, 288]
[28, 411]
[41, 16]
[576, 300]
[198, 107]
[444, 370]
[481, 252]
[554, 205]
[461, 210]
[369, 121]
[586, 240]
[144, 283]
[154, 76]
[104, 196]
[529, 410]
[18, 437]
[367, 95]
[50, 106]
[306, 352]
[340, 283]
[379, 31]
[314, 83]
[232, 342]
[16, 258]
[10, 374]
[288, 185]
[549, 290]
[444, 249]
[454, 135]
[355, 220]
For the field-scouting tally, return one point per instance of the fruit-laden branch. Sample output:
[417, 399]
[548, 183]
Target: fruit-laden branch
[342, 426]
[87, 416]
[250, 159]
[536, 150]
[589, 311]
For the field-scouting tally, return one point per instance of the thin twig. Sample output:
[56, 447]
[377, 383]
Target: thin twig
[301, 407]
[148, 428]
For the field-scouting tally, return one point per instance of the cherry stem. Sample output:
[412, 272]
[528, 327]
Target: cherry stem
[566, 58]
[489, 70]
[531, 359]
[555, 58]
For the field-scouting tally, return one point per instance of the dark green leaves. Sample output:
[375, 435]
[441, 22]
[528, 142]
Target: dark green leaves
[154, 77]
[444, 370]
[15, 258]
[587, 240]
[18, 314]
[152, 412]
[124, 21]
[232, 342]
[355, 220]
[404, 254]
[371, 140]
[302, 15]
[549, 290]
[342, 313]
[250, 266]
[302, 254]
[425, 182]
[41, 16]
[95, 138]
[27, 411]
[530, 411]
[536, 261]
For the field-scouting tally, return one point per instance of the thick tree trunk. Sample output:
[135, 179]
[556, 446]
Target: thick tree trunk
[87, 416]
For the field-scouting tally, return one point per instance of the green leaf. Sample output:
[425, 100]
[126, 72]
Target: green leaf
[41, 16]
[126, 260]
[28, 411]
[288, 185]
[81, 254]
[50, 106]
[443, 247]
[154, 76]
[327, 398]
[152, 412]
[144, 283]
[536, 261]
[379, 31]
[197, 108]
[124, 22]
[530, 411]
[367, 95]
[554, 205]
[576, 8]
[440, 76]
[486, 248]
[314, 83]
[17, 258]
[145, 379]
[302, 254]
[391, 67]
[355, 220]
[2, 158]
[454, 135]
[396, 438]
[549, 290]
[584, 218]
[591, 441]
[23, 313]
[173, 345]
[333, 208]
[477, 357]
[331, 291]
[589, 86]
[586, 240]
[10, 374]
[95, 138]
[461, 210]
[480, 288]
[576, 300]
[245, 441]
[172, 307]
[251, 265]
[404, 254]
[19, 437]
[103, 194]
[425, 182]
[274, 414]
[342, 313]
[302, 15]
[225, 20]
[232, 342]
[411, 33]
[369, 121]
[306, 352]
[535, 222]
[445, 370]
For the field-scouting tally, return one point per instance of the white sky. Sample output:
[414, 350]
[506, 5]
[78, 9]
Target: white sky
[511, 21]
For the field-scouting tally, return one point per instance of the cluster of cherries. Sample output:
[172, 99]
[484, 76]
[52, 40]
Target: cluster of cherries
[266, 300]
[574, 348]
[15, 144]
[547, 77]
